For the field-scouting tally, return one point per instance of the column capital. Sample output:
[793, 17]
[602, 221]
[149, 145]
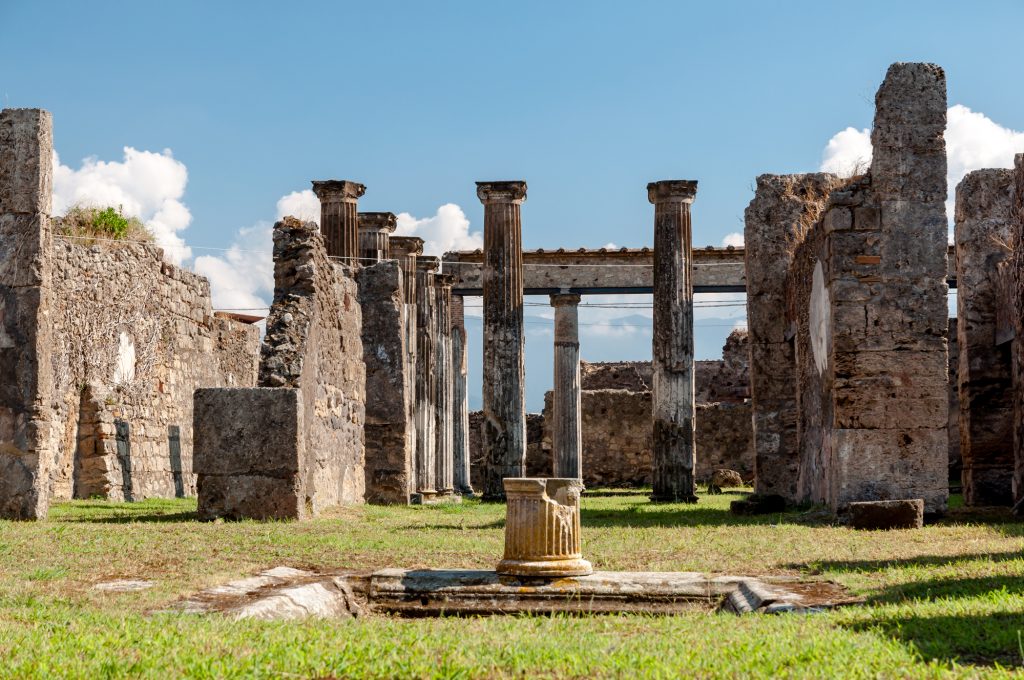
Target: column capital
[338, 190]
[672, 191]
[564, 300]
[501, 192]
[444, 280]
[406, 245]
[377, 221]
[427, 263]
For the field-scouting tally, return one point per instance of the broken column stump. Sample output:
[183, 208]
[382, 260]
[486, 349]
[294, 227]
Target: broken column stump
[542, 528]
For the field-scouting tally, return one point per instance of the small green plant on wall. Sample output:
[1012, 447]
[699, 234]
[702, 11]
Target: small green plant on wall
[103, 224]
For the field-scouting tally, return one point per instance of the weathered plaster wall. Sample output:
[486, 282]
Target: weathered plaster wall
[132, 338]
[776, 222]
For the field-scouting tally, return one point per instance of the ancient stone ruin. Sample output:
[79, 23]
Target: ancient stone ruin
[852, 384]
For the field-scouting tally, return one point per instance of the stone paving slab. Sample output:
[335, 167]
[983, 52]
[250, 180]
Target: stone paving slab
[288, 594]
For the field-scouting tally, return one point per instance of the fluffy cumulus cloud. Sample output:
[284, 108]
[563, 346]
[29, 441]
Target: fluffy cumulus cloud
[301, 204]
[973, 141]
[447, 230]
[733, 239]
[143, 184]
[242, 278]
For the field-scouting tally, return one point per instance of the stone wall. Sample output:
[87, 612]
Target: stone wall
[313, 349]
[389, 435]
[985, 370]
[101, 347]
[538, 450]
[132, 338]
[1016, 278]
[776, 222]
[877, 313]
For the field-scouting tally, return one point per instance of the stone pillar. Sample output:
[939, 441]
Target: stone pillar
[984, 376]
[338, 221]
[565, 439]
[460, 401]
[443, 379]
[504, 402]
[1017, 316]
[542, 528]
[426, 372]
[27, 438]
[375, 229]
[675, 455]
[405, 250]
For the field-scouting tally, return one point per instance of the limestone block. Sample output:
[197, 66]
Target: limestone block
[250, 454]
[898, 514]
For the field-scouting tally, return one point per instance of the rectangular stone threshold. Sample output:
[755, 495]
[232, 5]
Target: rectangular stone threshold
[284, 593]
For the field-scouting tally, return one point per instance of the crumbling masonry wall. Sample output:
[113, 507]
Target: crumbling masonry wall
[875, 331]
[132, 338]
[985, 367]
[313, 349]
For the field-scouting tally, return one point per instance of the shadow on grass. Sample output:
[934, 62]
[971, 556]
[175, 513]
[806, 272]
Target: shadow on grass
[658, 515]
[983, 640]
[920, 561]
[980, 639]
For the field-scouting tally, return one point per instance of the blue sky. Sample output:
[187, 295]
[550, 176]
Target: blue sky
[585, 101]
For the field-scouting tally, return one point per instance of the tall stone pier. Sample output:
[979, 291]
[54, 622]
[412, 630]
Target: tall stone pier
[566, 438]
[443, 375]
[339, 222]
[504, 427]
[460, 400]
[26, 244]
[985, 373]
[426, 374]
[675, 455]
[375, 229]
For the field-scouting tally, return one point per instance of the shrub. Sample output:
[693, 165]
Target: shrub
[92, 222]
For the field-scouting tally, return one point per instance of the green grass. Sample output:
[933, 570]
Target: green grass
[945, 600]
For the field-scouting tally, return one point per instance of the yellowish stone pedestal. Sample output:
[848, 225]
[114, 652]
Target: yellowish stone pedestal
[542, 528]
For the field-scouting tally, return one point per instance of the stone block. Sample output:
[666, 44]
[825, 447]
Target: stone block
[26, 161]
[250, 453]
[898, 514]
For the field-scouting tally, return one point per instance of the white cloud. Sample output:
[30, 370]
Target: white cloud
[243, 277]
[144, 184]
[973, 141]
[733, 239]
[847, 153]
[447, 230]
[301, 204]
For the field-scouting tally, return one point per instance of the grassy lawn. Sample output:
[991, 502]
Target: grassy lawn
[945, 600]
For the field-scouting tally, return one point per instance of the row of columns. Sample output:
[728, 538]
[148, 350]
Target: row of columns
[436, 340]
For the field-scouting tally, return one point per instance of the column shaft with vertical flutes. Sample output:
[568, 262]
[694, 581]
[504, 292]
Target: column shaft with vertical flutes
[565, 406]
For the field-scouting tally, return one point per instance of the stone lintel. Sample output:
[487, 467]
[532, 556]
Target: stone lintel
[338, 190]
[501, 192]
[672, 191]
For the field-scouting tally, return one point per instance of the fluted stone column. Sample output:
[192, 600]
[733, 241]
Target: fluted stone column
[443, 374]
[460, 400]
[426, 333]
[375, 229]
[504, 428]
[338, 217]
[565, 404]
[405, 249]
[675, 456]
